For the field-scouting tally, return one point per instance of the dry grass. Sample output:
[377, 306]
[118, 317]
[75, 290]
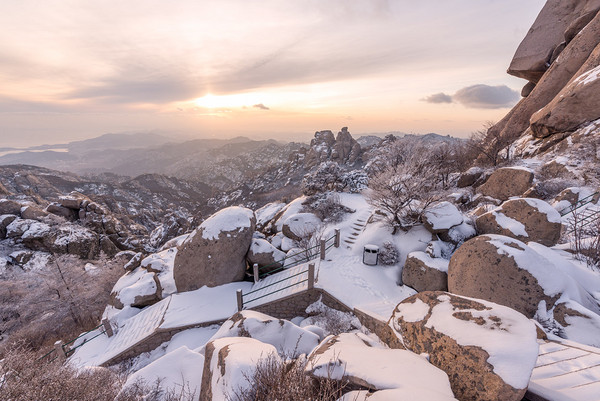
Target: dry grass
[58, 302]
[23, 377]
[275, 379]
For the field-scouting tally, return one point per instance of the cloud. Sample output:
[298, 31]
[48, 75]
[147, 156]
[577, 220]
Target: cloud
[261, 106]
[438, 98]
[486, 97]
[479, 96]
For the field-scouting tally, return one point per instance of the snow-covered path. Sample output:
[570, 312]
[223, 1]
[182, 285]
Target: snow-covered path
[566, 372]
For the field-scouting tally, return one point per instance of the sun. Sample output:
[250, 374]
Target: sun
[209, 101]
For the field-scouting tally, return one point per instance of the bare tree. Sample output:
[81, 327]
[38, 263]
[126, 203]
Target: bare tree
[489, 145]
[404, 192]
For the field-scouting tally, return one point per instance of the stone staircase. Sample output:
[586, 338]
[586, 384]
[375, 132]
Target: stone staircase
[357, 227]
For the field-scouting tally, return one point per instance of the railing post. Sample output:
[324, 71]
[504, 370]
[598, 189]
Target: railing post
[336, 242]
[255, 270]
[60, 351]
[311, 276]
[322, 248]
[240, 301]
[107, 328]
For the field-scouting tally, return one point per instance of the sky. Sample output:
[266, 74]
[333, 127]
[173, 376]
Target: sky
[72, 69]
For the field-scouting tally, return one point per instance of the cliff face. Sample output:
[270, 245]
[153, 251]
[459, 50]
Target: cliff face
[560, 57]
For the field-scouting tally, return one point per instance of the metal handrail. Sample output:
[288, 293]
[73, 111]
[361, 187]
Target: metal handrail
[71, 350]
[281, 289]
[578, 204]
[84, 334]
[295, 263]
[276, 282]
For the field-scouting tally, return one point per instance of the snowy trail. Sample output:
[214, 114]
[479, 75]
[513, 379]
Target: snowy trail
[566, 372]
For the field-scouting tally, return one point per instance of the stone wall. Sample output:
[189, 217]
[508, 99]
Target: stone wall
[381, 329]
[153, 341]
[296, 304]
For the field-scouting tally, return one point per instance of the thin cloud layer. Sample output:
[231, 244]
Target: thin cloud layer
[479, 96]
[438, 98]
[261, 106]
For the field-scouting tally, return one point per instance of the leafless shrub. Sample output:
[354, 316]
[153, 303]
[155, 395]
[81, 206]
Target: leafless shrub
[404, 193]
[58, 302]
[23, 377]
[331, 320]
[388, 254]
[277, 379]
[585, 234]
[491, 147]
[326, 206]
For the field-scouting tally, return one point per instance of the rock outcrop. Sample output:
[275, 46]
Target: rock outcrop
[364, 363]
[560, 48]
[525, 219]
[264, 254]
[487, 350]
[300, 225]
[228, 362]
[507, 182]
[424, 273]
[342, 149]
[505, 271]
[215, 253]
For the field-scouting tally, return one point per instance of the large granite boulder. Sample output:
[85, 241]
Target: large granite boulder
[288, 339]
[137, 288]
[507, 182]
[5, 220]
[575, 105]
[561, 71]
[577, 323]
[264, 254]
[33, 213]
[215, 253]
[559, 21]
[424, 273]
[487, 350]
[320, 148]
[441, 217]
[365, 363]
[525, 219]
[228, 364]
[8, 206]
[300, 225]
[505, 271]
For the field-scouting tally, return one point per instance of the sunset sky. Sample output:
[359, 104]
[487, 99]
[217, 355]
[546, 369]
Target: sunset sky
[77, 69]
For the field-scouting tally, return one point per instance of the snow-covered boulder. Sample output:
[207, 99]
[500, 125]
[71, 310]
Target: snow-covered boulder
[267, 213]
[469, 177]
[228, 362]
[17, 227]
[33, 213]
[76, 240]
[161, 263]
[177, 370]
[134, 262]
[487, 350]
[5, 220]
[506, 271]
[8, 206]
[424, 273]
[441, 217]
[215, 253]
[506, 182]
[263, 253]
[287, 338]
[300, 225]
[575, 105]
[525, 219]
[368, 364]
[138, 288]
[577, 323]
